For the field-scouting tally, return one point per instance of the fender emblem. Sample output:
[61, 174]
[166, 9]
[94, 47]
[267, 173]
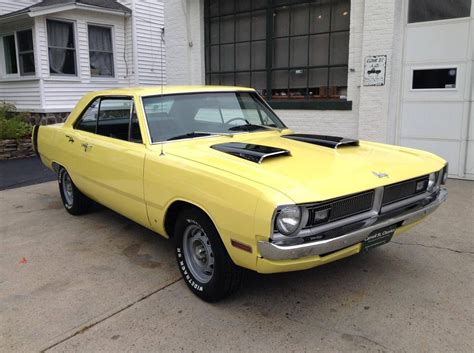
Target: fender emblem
[380, 174]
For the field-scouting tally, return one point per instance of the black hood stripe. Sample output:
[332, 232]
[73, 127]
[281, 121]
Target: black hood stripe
[323, 140]
[251, 152]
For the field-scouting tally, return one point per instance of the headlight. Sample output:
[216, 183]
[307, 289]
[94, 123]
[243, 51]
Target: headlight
[288, 219]
[431, 182]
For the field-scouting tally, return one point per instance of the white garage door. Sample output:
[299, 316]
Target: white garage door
[437, 112]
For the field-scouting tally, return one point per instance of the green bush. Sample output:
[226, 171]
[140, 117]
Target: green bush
[12, 123]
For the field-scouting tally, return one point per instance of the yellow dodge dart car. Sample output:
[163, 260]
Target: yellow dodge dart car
[215, 170]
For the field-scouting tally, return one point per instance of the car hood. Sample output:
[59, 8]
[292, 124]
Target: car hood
[311, 172]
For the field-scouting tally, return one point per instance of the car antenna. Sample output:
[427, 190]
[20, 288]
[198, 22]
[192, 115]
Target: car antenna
[162, 153]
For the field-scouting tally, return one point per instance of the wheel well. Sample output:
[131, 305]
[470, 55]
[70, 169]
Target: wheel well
[172, 214]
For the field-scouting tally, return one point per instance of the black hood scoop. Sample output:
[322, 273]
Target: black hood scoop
[251, 152]
[323, 140]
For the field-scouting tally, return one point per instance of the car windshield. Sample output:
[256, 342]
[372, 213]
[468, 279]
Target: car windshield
[173, 117]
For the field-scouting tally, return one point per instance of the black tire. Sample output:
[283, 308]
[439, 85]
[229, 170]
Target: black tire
[74, 201]
[226, 277]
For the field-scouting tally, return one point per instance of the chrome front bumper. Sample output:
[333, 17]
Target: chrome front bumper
[273, 251]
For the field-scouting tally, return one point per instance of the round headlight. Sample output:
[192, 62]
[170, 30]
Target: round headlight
[431, 182]
[288, 220]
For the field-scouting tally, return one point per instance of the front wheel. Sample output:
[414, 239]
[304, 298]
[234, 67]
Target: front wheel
[202, 258]
[74, 201]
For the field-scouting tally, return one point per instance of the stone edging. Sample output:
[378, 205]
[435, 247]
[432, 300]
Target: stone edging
[21, 148]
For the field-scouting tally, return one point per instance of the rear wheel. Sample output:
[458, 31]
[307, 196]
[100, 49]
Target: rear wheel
[74, 201]
[202, 258]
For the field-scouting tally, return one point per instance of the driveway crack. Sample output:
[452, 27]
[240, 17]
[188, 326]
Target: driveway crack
[102, 319]
[435, 247]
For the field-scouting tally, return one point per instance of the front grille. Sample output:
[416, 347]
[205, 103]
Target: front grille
[342, 208]
[403, 190]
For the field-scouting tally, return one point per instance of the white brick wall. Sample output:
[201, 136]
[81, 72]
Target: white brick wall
[375, 29]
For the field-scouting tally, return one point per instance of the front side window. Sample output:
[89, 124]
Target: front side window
[113, 117]
[290, 49]
[173, 117]
[434, 10]
[101, 56]
[9, 49]
[61, 48]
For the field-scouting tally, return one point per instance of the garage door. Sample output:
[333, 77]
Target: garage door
[437, 94]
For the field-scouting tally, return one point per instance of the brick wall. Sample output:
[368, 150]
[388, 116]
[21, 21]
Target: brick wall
[375, 30]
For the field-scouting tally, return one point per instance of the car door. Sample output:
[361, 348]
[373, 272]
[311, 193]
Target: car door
[113, 157]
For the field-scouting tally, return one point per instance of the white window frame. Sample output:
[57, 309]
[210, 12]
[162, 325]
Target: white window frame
[114, 56]
[76, 47]
[4, 73]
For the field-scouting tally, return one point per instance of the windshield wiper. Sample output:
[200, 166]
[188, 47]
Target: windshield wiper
[252, 127]
[199, 134]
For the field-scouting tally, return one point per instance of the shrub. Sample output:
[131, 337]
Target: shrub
[12, 123]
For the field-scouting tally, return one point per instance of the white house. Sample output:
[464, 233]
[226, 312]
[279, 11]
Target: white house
[53, 51]
[396, 71]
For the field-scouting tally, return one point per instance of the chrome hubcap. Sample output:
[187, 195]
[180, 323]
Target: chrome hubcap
[198, 253]
[67, 188]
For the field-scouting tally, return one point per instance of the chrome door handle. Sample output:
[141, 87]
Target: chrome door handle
[86, 146]
[71, 139]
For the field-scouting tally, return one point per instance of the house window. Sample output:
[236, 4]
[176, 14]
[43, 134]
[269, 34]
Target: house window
[26, 54]
[289, 50]
[101, 56]
[61, 48]
[433, 10]
[9, 49]
[18, 51]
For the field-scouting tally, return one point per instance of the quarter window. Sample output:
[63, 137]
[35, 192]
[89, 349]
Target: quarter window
[88, 121]
[101, 56]
[288, 50]
[61, 48]
[433, 10]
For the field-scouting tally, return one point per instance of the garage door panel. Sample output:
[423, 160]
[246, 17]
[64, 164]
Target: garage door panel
[432, 120]
[447, 41]
[470, 158]
[449, 150]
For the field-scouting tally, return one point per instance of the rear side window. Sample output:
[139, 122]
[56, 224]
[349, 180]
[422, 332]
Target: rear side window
[88, 121]
[113, 117]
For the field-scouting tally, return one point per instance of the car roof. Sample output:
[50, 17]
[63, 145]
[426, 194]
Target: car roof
[168, 89]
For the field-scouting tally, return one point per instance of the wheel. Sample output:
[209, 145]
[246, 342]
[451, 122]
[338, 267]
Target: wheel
[202, 258]
[74, 201]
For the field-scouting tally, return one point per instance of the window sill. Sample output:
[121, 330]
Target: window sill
[63, 78]
[311, 104]
[18, 78]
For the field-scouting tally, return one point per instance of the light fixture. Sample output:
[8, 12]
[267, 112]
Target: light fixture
[345, 13]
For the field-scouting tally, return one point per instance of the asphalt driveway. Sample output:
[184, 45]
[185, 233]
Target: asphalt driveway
[102, 283]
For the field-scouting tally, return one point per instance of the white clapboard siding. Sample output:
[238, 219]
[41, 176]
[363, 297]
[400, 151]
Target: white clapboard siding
[7, 6]
[151, 58]
[24, 94]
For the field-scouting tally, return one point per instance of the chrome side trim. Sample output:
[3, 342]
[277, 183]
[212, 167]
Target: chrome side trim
[273, 251]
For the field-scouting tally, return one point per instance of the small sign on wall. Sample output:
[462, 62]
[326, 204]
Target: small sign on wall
[374, 70]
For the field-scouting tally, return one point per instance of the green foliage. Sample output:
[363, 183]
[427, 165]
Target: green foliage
[12, 123]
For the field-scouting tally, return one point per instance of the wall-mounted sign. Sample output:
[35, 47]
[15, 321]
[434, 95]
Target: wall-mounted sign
[374, 70]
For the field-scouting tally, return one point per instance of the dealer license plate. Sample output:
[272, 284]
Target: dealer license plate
[379, 237]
